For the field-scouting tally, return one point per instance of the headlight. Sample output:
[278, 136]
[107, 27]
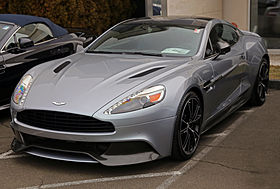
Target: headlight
[138, 100]
[22, 89]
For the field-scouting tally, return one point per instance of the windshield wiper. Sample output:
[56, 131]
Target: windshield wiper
[144, 53]
[104, 52]
[117, 52]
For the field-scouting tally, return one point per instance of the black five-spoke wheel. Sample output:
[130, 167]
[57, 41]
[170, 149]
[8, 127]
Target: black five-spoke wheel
[261, 84]
[187, 128]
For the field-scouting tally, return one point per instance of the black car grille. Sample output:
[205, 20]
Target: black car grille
[94, 148]
[61, 121]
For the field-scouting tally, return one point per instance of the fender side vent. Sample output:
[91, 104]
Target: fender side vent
[146, 72]
[61, 66]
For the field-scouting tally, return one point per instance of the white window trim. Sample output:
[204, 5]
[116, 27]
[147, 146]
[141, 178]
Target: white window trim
[149, 7]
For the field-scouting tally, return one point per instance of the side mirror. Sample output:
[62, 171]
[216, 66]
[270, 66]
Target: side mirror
[25, 42]
[224, 47]
[88, 41]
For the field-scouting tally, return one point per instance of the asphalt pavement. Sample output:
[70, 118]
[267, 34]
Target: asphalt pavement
[240, 152]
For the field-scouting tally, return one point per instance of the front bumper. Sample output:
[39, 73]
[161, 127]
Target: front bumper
[127, 145]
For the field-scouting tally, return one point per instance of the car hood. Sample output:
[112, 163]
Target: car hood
[90, 81]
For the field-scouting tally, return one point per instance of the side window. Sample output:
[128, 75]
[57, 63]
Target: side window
[37, 32]
[221, 33]
[11, 43]
[41, 33]
[215, 37]
[229, 35]
[25, 31]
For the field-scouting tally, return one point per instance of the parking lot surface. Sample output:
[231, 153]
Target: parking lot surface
[240, 152]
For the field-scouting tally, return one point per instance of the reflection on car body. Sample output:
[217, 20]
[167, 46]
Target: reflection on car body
[144, 90]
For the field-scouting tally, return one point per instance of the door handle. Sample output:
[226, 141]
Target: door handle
[209, 84]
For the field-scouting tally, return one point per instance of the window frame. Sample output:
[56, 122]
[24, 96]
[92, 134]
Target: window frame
[35, 44]
[233, 29]
[211, 46]
[236, 30]
[15, 28]
[36, 26]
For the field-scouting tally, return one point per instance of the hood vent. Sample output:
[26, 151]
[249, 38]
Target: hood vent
[61, 66]
[146, 72]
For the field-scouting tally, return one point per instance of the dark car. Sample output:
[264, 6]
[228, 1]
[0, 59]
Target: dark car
[26, 41]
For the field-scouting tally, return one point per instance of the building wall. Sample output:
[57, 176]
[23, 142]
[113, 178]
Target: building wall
[208, 8]
[236, 11]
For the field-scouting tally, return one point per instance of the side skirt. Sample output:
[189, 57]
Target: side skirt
[226, 112]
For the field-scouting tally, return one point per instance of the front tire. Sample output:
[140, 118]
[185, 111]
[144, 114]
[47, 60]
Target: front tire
[261, 84]
[187, 127]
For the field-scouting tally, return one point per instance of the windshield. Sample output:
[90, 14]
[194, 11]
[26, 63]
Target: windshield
[150, 39]
[4, 29]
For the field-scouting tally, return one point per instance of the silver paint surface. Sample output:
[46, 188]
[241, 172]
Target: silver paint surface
[92, 83]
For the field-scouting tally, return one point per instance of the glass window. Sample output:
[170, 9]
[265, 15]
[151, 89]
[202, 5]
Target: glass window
[36, 32]
[153, 38]
[4, 29]
[265, 20]
[215, 37]
[157, 7]
[11, 44]
[222, 33]
[41, 33]
[229, 34]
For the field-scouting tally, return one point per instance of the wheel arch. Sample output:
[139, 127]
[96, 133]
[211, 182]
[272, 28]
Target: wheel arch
[197, 91]
[265, 56]
[176, 152]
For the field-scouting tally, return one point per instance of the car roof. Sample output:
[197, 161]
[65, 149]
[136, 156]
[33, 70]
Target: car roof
[22, 20]
[199, 22]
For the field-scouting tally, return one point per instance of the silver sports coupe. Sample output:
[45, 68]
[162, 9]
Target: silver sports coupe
[145, 89]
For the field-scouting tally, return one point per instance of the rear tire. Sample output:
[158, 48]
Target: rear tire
[261, 84]
[187, 127]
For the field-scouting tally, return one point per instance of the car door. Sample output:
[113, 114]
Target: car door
[19, 60]
[3, 93]
[229, 69]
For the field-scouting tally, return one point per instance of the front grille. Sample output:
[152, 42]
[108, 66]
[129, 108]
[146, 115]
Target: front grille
[61, 121]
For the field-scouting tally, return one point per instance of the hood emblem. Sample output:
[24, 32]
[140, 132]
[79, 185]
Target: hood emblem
[59, 103]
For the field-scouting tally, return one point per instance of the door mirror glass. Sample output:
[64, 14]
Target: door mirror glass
[224, 47]
[25, 42]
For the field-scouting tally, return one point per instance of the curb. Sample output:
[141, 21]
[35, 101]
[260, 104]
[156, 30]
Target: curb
[274, 84]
